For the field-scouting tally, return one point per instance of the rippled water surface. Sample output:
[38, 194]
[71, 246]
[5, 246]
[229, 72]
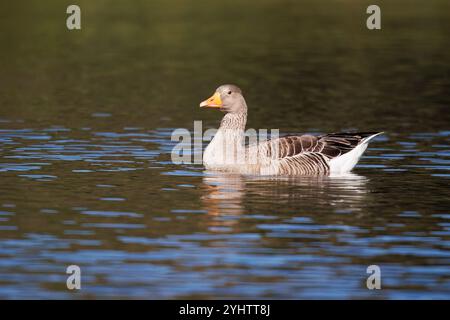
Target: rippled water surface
[85, 140]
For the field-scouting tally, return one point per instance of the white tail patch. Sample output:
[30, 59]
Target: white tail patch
[348, 161]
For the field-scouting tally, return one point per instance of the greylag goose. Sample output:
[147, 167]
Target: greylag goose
[334, 153]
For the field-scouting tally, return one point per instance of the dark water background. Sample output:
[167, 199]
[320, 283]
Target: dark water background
[85, 171]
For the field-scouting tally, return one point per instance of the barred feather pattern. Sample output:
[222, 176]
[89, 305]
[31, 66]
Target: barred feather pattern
[293, 155]
[233, 121]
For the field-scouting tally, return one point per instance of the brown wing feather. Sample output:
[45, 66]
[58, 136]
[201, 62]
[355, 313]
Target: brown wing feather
[330, 145]
[337, 144]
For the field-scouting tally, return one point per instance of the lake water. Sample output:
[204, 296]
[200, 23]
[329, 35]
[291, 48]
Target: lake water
[86, 176]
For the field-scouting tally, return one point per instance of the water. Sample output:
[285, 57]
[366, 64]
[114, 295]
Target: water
[86, 176]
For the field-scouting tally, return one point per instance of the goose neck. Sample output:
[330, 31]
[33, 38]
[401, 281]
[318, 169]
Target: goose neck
[234, 121]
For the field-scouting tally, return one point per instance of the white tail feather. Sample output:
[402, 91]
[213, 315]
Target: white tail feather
[348, 161]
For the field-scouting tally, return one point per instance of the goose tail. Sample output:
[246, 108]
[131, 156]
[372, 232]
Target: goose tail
[368, 138]
[346, 162]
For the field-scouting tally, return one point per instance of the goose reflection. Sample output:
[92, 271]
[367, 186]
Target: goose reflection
[233, 194]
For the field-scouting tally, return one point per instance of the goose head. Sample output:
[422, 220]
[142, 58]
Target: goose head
[227, 98]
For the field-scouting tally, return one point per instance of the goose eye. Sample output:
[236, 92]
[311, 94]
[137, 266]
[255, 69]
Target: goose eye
[229, 92]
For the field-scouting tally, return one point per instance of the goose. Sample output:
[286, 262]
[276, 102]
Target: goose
[333, 153]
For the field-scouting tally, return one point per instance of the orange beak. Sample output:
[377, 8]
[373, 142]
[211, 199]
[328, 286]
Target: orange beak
[213, 102]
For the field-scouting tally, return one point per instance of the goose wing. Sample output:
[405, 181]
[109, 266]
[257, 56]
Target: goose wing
[307, 154]
[331, 145]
